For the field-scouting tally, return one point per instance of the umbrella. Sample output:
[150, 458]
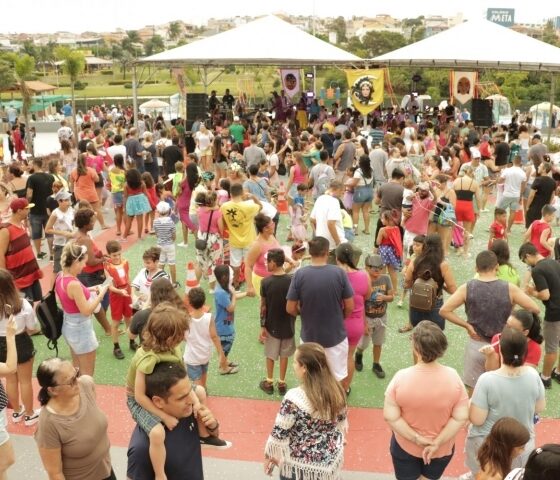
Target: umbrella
[154, 104]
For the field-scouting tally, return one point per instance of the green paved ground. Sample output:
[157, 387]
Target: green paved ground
[367, 390]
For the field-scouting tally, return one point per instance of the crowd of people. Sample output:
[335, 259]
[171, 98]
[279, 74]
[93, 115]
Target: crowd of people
[220, 187]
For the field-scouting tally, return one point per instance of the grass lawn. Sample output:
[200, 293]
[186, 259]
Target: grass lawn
[367, 390]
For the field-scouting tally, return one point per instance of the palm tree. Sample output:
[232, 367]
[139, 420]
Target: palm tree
[24, 67]
[73, 66]
[174, 30]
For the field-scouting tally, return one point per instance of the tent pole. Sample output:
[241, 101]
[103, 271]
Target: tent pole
[551, 110]
[314, 81]
[205, 78]
[135, 95]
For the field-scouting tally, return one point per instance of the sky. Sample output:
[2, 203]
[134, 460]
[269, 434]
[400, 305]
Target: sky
[47, 16]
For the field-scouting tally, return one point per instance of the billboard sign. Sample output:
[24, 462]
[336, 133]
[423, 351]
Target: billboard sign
[501, 16]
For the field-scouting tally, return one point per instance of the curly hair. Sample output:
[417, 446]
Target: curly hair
[165, 329]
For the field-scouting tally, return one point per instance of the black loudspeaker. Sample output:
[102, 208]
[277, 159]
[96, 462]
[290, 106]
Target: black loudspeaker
[197, 106]
[481, 113]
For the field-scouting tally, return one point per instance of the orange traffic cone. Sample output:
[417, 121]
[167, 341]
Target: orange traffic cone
[282, 203]
[191, 281]
[519, 217]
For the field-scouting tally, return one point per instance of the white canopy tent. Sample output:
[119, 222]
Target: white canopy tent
[265, 41]
[541, 113]
[476, 44]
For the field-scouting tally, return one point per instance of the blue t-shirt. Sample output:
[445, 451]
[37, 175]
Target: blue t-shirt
[224, 319]
[321, 291]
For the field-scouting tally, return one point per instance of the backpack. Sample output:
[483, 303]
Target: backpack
[50, 317]
[322, 183]
[424, 293]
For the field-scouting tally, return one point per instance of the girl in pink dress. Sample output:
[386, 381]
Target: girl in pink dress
[354, 323]
[192, 179]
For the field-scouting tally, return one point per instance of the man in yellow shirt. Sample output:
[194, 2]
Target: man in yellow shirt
[239, 214]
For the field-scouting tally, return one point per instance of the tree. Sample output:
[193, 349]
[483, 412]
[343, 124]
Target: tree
[338, 25]
[377, 43]
[174, 31]
[73, 66]
[125, 60]
[355, 46]
[133, 36]
[7, 79]
[28, 48]
[24, 67]
[549, 34]
[154, 45]
[45, 55]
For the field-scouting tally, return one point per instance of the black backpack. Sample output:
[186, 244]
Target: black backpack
[50, 317]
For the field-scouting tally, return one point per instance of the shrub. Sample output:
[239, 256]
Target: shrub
[106, 72]
[80, 85]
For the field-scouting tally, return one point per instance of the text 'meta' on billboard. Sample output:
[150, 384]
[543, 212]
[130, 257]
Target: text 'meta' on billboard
[501, 16]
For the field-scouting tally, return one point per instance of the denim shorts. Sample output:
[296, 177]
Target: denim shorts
[227, 343]
[416, 316]
[38, 224]
[78, 332]
[408, 467]
[195, 372]
[117, 198]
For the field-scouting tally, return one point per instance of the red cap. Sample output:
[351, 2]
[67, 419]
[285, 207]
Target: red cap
[19, 204]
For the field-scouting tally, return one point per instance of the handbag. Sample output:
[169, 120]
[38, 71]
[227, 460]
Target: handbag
[201, 244]
[50, 317]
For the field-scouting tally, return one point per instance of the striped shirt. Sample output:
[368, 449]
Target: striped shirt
[20, 259]
[164, 228]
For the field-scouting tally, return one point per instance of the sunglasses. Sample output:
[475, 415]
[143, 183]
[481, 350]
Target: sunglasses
[72, 382]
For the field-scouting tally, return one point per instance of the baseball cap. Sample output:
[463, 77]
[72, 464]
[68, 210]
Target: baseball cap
[20, 204]
[236, 119]
[62, 195]
[163, 207]
[374, 261]
[423, 186]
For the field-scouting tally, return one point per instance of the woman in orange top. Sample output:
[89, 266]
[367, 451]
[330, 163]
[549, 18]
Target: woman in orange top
[83, 181]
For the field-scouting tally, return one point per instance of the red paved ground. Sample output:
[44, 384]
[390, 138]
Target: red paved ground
[247, 424]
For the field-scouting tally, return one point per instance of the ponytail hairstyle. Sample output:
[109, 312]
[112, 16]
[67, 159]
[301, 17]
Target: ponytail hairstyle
[71, 253]
[530, 322]
[221, 272]
[345, 255]
[513, 347]
[45, 377]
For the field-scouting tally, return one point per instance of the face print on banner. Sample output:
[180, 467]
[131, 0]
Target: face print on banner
[366, 89]
[462, 86]
[290, 81]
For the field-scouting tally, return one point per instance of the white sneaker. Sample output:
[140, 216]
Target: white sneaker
[18, 416]
[182, 244]
[466, 476]
[30, 420]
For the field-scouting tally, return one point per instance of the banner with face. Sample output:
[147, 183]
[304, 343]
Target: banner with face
[366, 89]
[290, 81]
[462, 86]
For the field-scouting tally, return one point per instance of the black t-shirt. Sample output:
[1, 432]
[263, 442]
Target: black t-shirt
[278, 322]
[171, 155]
[544, 187]
[52, 204]
[501, 152]
[546, 275]
[41, 184]
[139, 321]
[183, 459]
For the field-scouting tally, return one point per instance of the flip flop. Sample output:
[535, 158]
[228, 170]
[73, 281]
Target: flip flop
[405, 329]
[228, 371]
